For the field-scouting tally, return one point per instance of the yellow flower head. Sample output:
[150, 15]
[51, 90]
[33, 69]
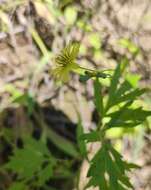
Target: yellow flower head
[65, 62]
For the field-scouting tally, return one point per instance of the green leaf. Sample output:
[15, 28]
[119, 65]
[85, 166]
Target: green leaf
[27, 100]
[15, 93]
[114, 83]
[108, 171]
[123, 165]
[133, 79]
[28, 161]
[7, 134]
[115, 173]
[45, 174]
[112, 172]
[36, 145]
[123, 96]
[97, 164]
[118, 159]
[132, 95]
[91, 137]
[123, 88]
[25, 162]
[130, 166]
[18, 186]
[128, 117]
[63, 144]
[96, 172]
[116, 119]
[98, 181]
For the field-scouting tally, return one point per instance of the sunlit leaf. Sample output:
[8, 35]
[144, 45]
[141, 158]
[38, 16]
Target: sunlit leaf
[133, 79]
[108, 162]
[115, 82]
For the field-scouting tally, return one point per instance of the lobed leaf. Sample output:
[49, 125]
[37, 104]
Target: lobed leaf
[115, 81]
[108, 171]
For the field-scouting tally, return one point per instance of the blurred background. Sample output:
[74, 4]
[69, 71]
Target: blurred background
[31, 34]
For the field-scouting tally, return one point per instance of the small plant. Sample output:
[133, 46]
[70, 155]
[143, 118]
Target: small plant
[108, 170]
[34, 163]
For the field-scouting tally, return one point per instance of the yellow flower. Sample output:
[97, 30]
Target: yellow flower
[65, 62]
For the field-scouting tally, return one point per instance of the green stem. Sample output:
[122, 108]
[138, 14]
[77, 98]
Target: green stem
[86, 69]
[81, 70]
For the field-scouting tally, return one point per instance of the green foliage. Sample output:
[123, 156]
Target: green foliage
[20, 98]
[32, 162]
[127, 117]
[62, 143]
[18, 186]
[93, 136]
[108, 170]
